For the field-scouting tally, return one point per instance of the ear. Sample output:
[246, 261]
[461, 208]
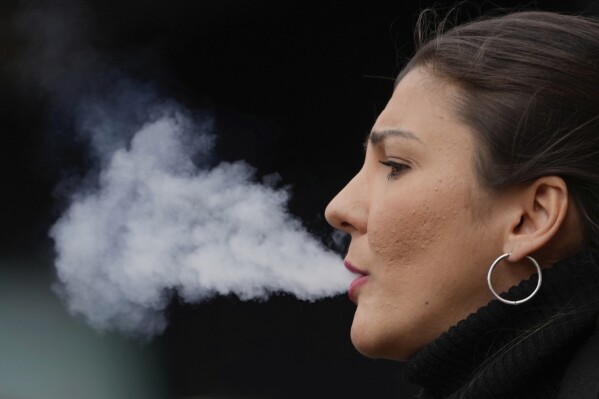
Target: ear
[539, 211]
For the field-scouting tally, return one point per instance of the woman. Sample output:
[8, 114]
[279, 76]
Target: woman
[483, 170]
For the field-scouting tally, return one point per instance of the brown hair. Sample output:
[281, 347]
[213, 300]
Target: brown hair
[529, 87]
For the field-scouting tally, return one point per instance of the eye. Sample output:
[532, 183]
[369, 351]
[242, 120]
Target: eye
[397, 168]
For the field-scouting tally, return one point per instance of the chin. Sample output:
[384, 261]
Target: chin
[378, 343]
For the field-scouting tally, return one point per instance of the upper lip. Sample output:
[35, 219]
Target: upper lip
[349, 266]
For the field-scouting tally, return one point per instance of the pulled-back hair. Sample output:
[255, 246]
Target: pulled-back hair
[528, 85]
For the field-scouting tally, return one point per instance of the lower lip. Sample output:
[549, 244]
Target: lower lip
[353, 287]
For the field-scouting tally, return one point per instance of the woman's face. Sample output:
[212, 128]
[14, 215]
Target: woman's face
[422, 228]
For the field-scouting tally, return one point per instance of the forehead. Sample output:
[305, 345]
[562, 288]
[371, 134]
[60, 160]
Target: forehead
[424, 104]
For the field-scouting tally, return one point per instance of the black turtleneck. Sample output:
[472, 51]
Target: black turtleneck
[506, 351]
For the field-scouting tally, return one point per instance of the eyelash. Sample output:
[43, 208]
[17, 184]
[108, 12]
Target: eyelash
[396, 168]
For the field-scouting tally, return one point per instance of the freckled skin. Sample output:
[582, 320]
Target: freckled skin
[427, 236]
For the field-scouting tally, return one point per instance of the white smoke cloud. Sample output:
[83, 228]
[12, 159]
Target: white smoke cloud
[156, 223]
[153, 219]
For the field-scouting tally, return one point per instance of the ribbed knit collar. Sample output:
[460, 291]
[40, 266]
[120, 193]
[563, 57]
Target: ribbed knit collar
[505, 351]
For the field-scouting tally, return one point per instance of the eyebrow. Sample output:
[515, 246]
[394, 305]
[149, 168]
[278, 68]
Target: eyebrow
[376, 136]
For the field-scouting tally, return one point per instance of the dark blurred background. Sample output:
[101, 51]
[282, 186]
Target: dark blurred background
[294, 87]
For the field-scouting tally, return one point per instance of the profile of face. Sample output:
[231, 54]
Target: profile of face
[423, 230]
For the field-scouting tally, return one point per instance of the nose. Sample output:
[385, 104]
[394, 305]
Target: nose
[348, 210]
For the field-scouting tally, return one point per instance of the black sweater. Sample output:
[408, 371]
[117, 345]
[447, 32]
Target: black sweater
[523, 351]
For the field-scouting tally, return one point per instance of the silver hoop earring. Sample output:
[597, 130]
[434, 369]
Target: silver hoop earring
[519, 301]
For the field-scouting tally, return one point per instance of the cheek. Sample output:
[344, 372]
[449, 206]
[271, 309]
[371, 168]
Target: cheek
[420, 220]
[398, 230]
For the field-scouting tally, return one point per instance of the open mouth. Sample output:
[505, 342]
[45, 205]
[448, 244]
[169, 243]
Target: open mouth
[356, 283]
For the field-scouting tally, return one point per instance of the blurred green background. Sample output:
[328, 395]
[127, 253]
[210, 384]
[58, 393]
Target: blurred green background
[45, 353]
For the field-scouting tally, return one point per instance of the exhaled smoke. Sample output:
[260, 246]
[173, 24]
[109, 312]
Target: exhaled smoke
[158, 220]
[157, 223]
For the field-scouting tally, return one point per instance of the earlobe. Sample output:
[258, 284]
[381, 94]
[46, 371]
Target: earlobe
[542, 208]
